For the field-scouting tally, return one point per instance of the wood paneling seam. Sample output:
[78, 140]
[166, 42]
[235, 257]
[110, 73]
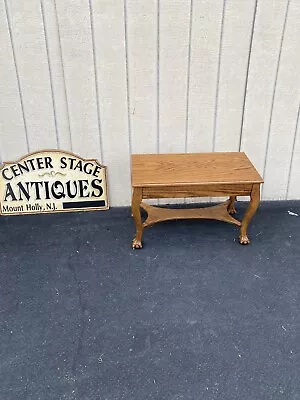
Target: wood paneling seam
[188, 77]
[63, 74]
[96, 80]
[218, 74]
[157, 72]
[274, 91]
[247, 73]
[50, 72]
[293, 152]
[17, 73]
[127, 78]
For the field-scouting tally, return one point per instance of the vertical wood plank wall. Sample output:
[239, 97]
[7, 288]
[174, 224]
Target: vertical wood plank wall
[109, 78]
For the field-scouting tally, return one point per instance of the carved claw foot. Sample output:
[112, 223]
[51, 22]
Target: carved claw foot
[136, 244]
[244, 239]
[231, 209]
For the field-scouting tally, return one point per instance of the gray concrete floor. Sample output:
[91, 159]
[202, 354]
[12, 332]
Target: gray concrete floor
[192, 316]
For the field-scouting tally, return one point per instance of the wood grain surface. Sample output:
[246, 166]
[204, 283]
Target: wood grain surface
[192, 169]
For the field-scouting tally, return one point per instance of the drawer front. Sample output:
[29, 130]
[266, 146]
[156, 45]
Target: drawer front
[155, 192]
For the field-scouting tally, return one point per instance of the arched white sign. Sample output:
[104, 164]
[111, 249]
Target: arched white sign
[52, 181]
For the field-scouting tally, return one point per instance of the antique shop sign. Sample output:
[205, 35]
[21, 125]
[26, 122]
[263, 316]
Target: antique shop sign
[52, 181]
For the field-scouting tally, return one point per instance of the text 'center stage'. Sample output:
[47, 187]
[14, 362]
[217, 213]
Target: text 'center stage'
[52, 181]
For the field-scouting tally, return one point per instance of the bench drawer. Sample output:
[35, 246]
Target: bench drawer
[154, 192]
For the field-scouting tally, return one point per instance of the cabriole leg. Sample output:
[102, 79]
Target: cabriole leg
[136, 213]
[231, 209]
[253, 205]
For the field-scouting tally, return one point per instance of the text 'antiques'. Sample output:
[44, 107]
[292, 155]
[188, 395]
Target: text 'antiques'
[52, 181]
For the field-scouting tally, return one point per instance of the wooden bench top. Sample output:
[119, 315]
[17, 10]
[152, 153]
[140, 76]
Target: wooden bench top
[192, 169]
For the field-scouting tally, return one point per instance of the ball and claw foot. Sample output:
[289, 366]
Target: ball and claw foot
[244, 239]
[231, 209]
[136, 244]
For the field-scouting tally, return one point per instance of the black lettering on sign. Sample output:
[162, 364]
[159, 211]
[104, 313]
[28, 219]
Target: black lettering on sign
[86, 169]
[52, 181]
[72, 162]
[57, 190]
[39, 162]
[69, 191]
[50, 206]
[96, 184]
[37, 189]
[97, 170]
[24, 167]
[31, 164]
[47, 191]
[23, 190]
[63, 162]
[83, 188]
[9, 193]
[15, 170]
[5, 176]
[48, 162]
[78, 166]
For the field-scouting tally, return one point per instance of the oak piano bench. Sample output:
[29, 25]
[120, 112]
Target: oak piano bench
[193, 175]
